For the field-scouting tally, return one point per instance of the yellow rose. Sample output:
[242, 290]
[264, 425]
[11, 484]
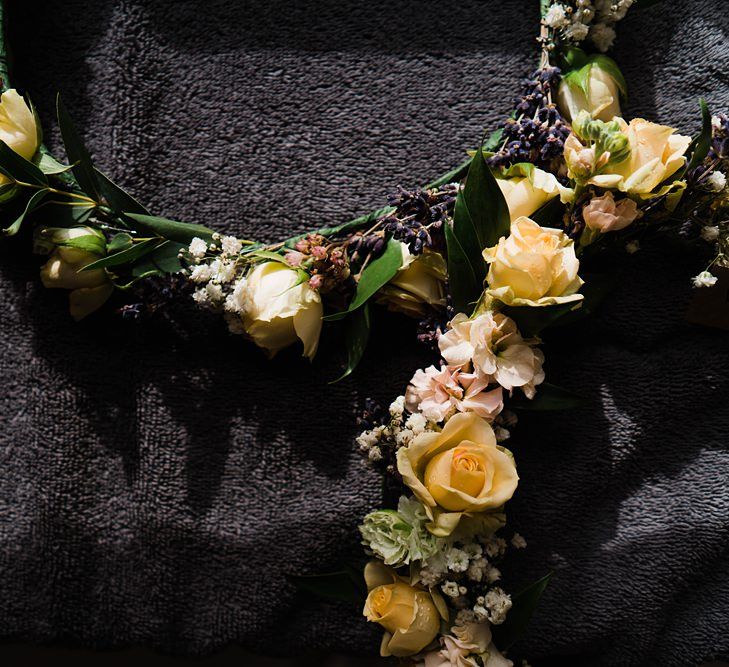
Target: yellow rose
[533, 266]
[418, 285]
[18, 128]
[592, 88]
[458, 472]
[410, 616]
[656, 153]
[282, 309]
[527, 193]
[90, 289]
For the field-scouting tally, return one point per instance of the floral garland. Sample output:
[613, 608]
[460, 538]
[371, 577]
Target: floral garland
[485, 257]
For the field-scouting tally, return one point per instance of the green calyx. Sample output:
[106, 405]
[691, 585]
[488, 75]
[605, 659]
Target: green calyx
[607, 138]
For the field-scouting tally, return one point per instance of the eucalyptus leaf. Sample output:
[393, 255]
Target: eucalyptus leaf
[89, 242]
[119, 200]
[78, 156]
[549, 397]
[162, 260]
[375, 275]
[50, 166]
[17, 168]
[128, 256]
[346, 585]
[522, 609]
[182, 232]
[356, 334]
[32, 204]
[119, 242]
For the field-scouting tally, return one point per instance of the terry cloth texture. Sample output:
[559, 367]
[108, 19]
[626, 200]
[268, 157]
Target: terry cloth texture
[157, 482]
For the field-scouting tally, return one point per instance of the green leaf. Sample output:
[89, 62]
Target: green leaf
[463, 285]
[17, 168]
[163, 260]
[8, 191]
[452, 176]
[494, 141]
[699, 147]
[128, 256]
[353, 225]
[376, 274]
[50, 166]
[531, 320]
[267, 254]
[78, 156]
[522, 609]
[32, 204]
[119, 200]
[182, 232]
[356, 335]
[549, 397]
[346, 585]
[90, 243]
[119, 242]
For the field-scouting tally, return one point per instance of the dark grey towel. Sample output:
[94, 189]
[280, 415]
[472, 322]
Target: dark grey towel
[158, 481]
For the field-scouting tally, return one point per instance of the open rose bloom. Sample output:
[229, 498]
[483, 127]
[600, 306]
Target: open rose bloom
[459, 472]
[533, 266]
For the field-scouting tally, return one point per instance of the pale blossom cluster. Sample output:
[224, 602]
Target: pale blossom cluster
[578, 20]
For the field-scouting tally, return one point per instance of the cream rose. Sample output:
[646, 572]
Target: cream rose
[592, 88]
[410, 616]
[526, 194]
[604, 214]
[533, 266]
[18, 127]
[281, 309]
[418, 285]
[469, 645]
[76, 248]
[656, 153]
[459, 472]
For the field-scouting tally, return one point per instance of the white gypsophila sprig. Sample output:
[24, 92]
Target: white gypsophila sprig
[198, 248]
[710, 233]
[716, 181]
[230, 245]
[704, 279]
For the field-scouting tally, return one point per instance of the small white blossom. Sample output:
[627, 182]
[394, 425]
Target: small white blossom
[201, 297]
[457, 560]
[710, 233]
[556, 17]
[397, 407]
[498, 604]
[230, 245]
[368, 439]
[238, 301]
[198, 248]
[429, 577]
[495, 547]
[631, 247]
[716, 181]
[417, 423]
[518, 542]
[200, 273]
[576, 32]
[602, 36]
[450, 588]
[493, 574]
[215, 292]
[704, 279]
[375, 454]
[473, 549]
[477, 569]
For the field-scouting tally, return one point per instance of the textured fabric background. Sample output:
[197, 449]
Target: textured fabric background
[157, 482]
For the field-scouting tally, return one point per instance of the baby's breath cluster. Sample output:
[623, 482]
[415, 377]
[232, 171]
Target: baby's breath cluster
[575, 21]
